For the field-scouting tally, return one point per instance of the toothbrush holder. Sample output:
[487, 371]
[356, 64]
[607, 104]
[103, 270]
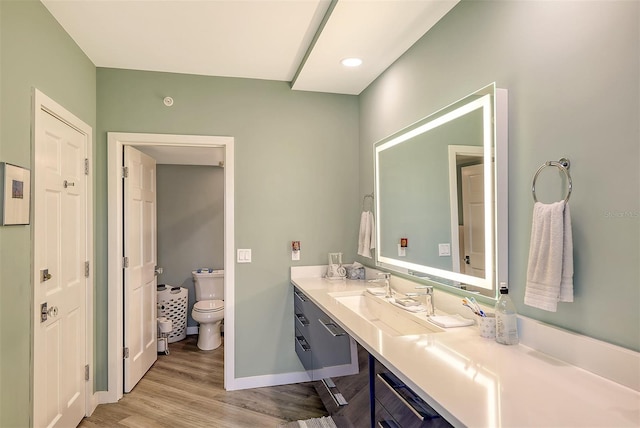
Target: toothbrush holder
[487, 325]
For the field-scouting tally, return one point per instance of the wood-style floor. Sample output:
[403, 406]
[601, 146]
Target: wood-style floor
[185, 389]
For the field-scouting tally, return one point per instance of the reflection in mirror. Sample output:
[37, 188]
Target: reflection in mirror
[467, 193]
[441, 195]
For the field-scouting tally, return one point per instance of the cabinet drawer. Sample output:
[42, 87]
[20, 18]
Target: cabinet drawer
[406, 408]
[303, 350]
[383, 419]
[301, 322]
[301, 301]
[331, 345]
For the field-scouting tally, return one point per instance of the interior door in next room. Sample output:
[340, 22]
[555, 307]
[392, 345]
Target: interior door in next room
[140, 251]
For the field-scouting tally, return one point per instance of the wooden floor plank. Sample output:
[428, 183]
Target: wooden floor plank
[185, 389]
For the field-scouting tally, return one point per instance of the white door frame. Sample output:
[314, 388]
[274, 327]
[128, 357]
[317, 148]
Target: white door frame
[115, 143]
[42, 102]
[455, 150]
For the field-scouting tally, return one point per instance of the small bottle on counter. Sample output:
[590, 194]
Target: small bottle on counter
[506, 318]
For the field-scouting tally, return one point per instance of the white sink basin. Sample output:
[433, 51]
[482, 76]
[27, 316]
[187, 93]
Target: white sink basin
[384, 315]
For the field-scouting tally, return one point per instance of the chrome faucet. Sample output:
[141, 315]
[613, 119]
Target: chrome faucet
[385, 279]
[427, 292]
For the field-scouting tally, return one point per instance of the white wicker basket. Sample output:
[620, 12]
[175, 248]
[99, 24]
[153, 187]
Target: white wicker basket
[173, 303]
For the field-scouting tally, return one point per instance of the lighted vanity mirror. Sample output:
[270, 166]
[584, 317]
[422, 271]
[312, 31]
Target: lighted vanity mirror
[441, 195]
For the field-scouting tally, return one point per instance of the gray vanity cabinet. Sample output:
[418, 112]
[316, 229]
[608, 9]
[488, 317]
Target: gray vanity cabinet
[319, 342]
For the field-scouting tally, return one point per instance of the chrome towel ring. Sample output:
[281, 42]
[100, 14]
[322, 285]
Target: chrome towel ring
[563, 165]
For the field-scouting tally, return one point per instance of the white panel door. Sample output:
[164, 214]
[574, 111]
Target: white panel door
[140, 302]
[473, 217]
[60, 242]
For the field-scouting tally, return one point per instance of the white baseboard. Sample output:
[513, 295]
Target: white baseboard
[103, 397]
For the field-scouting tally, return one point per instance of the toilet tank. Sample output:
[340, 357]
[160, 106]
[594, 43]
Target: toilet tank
[209, 284]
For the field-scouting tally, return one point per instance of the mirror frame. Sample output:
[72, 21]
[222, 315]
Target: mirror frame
[494, 103]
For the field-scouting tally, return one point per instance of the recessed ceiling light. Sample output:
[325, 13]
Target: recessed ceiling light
[351, 62]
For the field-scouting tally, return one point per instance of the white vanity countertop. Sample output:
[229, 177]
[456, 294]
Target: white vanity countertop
[476, 382]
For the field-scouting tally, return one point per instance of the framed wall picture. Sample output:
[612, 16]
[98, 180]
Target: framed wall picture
[16, 194]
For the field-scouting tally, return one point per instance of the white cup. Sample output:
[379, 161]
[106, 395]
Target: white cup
[487, 325]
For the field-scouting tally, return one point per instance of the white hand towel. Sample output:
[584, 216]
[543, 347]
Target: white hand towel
[550, 268]
[372, 234]
[367, 234]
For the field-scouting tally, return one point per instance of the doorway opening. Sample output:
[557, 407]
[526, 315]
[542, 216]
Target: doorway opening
[181, 149]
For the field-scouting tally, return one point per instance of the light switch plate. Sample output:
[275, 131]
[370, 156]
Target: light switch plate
[244, 255]
[444, 250]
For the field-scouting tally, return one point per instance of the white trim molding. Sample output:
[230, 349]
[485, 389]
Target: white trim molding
[115, 144]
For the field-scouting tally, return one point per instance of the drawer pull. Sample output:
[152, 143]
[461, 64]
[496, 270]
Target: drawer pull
[302, 319]
[388, 424]
[337, 396]
[303, 343]
[413, 402]
[332, 328]
[300, 296]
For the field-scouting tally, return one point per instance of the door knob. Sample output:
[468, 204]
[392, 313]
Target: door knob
[467, 260]
[46, 312]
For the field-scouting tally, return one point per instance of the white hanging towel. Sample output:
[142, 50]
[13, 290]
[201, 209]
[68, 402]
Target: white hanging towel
[367, 235]
[550, 269]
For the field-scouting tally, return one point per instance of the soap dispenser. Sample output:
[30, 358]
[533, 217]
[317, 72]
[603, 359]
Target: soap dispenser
[506, 318]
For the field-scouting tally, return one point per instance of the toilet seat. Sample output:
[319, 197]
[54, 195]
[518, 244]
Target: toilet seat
[209, 306]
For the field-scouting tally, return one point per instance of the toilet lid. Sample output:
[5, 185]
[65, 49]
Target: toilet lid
[209, 306]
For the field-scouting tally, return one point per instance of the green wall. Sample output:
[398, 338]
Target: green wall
[296, 169]
[572, 70]
[34, 52]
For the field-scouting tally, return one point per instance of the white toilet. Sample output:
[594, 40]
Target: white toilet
[208, 310]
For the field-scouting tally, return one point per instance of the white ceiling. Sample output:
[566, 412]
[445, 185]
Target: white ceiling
[298, 41]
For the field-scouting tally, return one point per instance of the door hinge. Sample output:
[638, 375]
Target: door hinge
[125, 171]
[86, 269]
[86, 372]
[125, 262]
[125, 353]
[86, 166]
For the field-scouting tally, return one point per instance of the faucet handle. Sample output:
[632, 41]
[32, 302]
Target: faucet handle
[427, 288]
